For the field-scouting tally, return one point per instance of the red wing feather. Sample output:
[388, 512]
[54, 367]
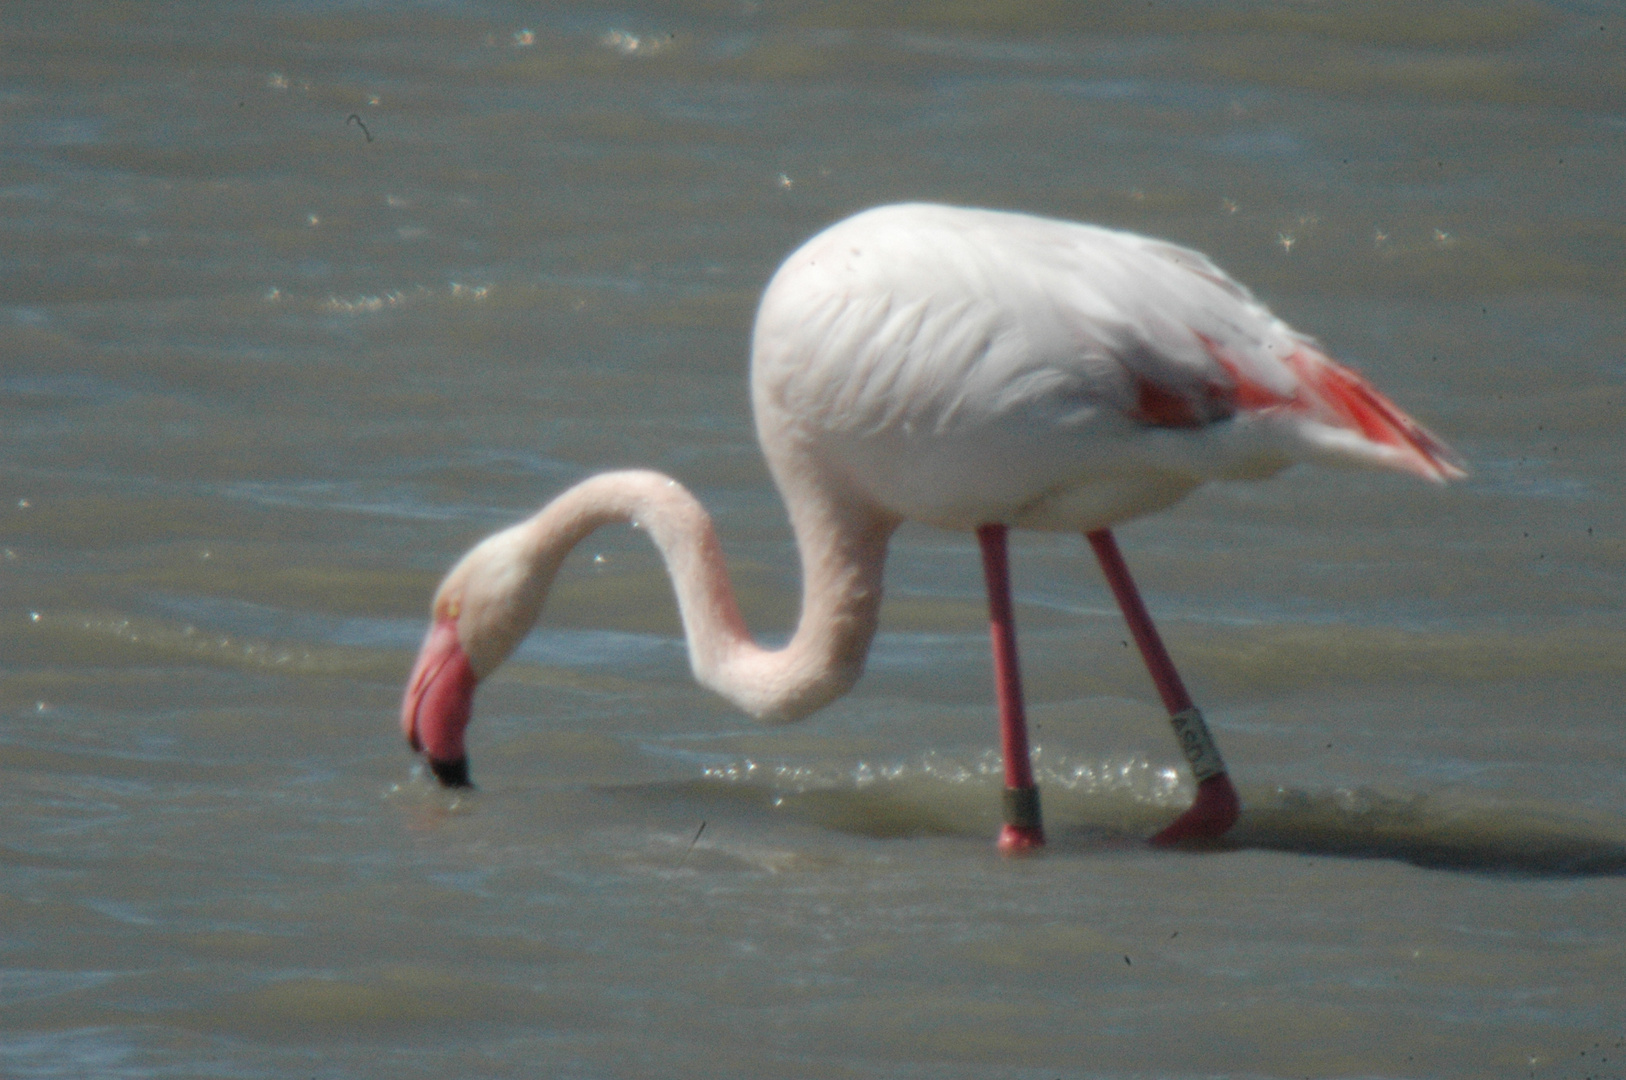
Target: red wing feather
[1324, 391]
[1360, 407]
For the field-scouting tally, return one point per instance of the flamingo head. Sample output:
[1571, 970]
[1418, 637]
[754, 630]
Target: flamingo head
[481, 611]
[439, 701]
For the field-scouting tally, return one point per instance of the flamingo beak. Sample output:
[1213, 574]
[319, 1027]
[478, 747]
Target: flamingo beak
[439, 701]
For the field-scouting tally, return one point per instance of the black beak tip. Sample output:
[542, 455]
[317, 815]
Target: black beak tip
[452, 774]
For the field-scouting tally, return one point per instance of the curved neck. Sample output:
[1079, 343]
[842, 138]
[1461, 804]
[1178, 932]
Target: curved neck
[498, 590]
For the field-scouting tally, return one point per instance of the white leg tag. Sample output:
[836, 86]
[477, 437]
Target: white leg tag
[1197, 744]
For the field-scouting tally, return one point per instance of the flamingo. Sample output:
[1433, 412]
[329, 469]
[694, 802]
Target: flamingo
[970, 369]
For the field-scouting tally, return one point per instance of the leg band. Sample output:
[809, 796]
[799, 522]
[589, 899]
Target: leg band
[1022, 807]
[1197, 744]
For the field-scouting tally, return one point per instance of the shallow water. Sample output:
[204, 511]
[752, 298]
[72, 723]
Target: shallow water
[265, 370]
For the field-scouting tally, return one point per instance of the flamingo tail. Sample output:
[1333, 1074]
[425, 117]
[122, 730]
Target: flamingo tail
[1357, 405]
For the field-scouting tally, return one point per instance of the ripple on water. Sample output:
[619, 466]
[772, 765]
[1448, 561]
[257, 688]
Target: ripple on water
[1125, 799]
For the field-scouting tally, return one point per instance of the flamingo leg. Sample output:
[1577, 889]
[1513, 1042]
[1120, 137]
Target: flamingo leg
[1216, 807]
[1024, 829]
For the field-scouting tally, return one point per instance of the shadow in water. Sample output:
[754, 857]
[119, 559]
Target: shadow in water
[1449, 831]
[1454, 830]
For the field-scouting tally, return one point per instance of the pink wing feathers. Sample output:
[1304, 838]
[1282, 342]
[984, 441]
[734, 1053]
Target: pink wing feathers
[1273, 372]
[1324, 394]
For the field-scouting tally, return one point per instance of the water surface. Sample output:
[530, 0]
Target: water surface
[299, 300]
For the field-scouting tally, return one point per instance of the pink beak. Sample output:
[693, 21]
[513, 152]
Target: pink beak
[439, 701]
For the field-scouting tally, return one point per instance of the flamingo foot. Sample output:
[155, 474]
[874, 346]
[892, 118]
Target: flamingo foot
[1020, 839]
[1211, 815]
